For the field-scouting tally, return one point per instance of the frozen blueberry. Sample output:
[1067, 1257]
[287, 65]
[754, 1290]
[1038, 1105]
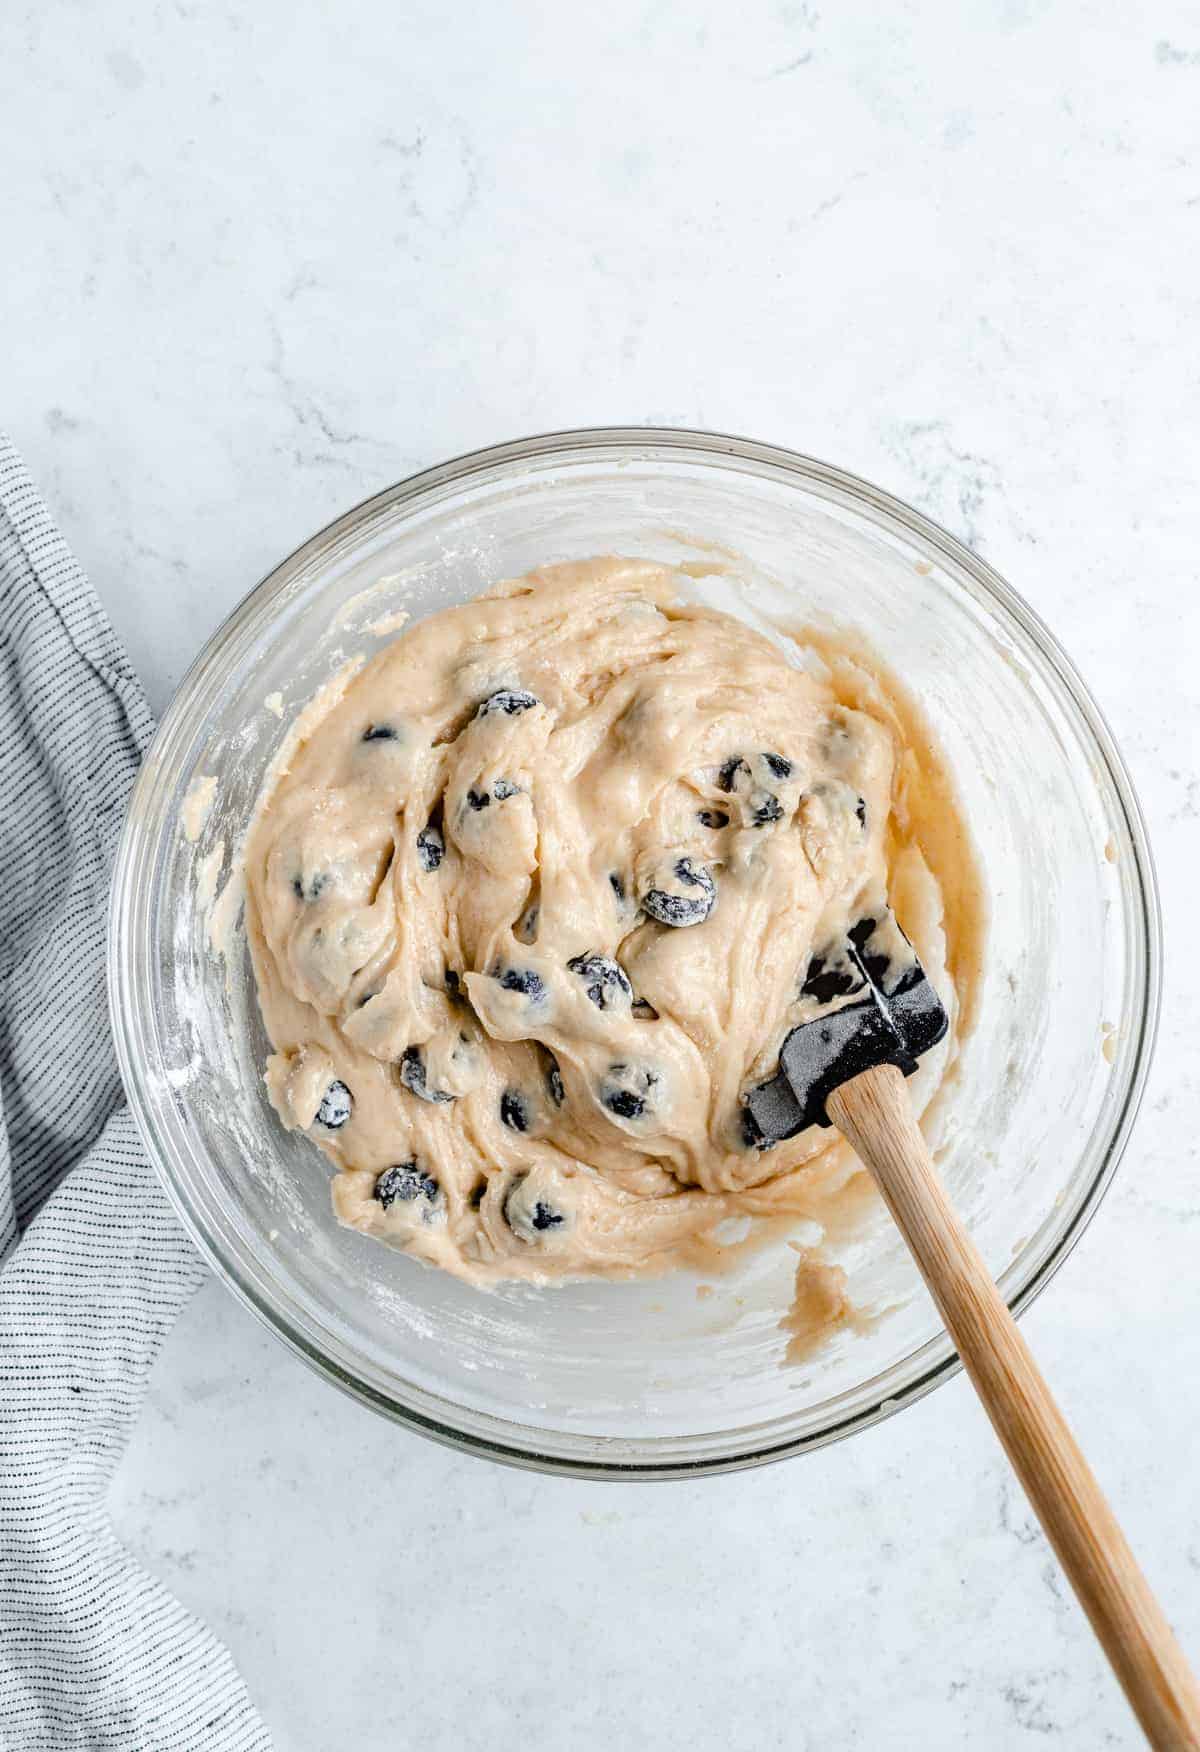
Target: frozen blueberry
[554, 1082]
[627, 1090]
[337, 1104]
[544, 1216]
[713, 818]
[503, 789]
[412, 1075]
[313, 888]
[509, 700]
[750, 776]
[729, 774]
[527, 1215]
[689, 900]
[431, 848]
[515, 1111]
[523, 979]
[606, 982]
[404, 1182]
[380, 733]
[479, 800]
[694, 876]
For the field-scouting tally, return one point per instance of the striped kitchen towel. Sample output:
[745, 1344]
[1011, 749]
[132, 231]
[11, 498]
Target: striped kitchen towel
[93, 1267]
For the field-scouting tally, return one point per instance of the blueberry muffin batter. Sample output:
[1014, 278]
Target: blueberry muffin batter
[534, 904]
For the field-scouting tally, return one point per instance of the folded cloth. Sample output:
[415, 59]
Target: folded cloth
[93, 1266]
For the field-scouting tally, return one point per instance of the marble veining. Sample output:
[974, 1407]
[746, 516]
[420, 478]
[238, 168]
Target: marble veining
[262, 261]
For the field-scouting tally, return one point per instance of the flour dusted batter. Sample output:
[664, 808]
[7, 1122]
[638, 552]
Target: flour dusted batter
[533, 906]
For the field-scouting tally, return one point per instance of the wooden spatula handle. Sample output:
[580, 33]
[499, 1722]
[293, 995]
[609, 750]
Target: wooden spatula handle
[873, 1111]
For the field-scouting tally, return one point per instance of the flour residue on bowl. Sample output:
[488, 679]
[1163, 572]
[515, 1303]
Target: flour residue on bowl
[197, 806]
[208, 874]
[388, 625]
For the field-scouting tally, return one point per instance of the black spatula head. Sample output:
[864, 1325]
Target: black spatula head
[887, 1013]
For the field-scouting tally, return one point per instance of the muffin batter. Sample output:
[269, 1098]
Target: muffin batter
[534, 904]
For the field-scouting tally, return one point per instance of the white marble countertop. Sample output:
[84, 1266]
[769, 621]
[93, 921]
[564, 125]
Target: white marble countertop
[261, 261]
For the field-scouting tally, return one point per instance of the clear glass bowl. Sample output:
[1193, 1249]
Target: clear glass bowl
[648, 1378]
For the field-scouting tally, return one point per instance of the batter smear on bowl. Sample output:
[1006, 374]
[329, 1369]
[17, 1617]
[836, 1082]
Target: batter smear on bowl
[534, 904]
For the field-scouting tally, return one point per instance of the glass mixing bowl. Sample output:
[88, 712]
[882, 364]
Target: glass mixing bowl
[649, 1378]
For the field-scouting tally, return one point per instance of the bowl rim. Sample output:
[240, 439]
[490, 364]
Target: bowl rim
[613, 1456]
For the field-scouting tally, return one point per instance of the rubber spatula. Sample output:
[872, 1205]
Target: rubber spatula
[875, 1014]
